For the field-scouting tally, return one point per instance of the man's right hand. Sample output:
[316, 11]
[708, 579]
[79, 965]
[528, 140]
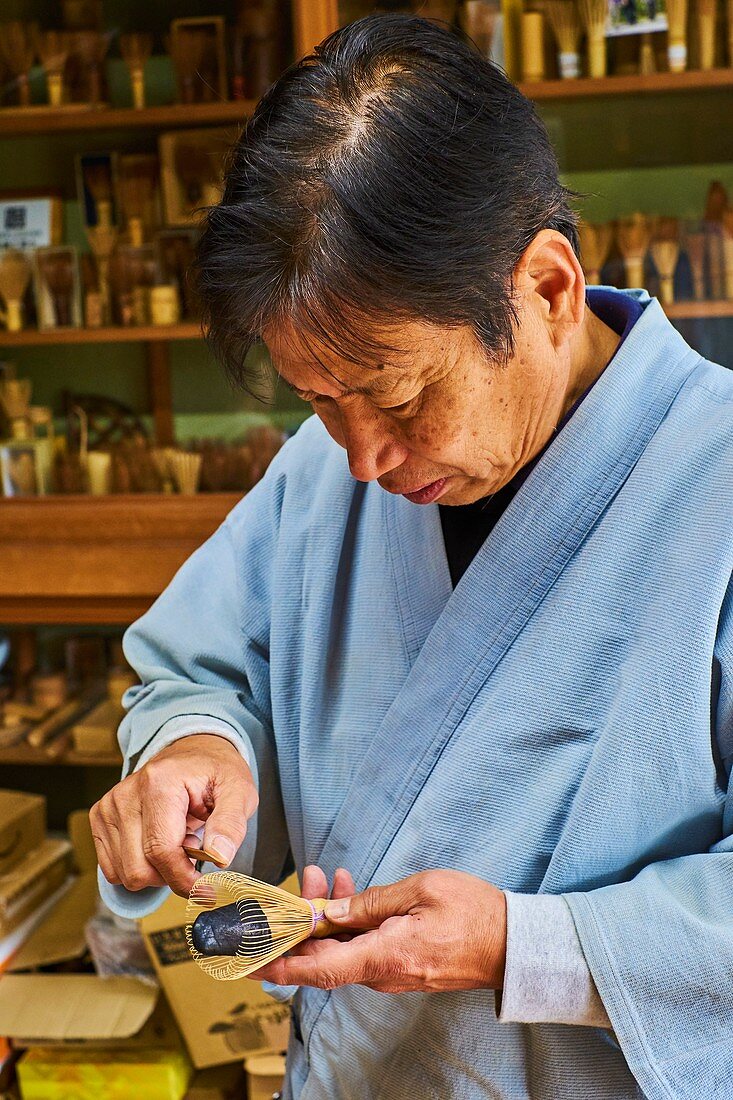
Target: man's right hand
[141, 825]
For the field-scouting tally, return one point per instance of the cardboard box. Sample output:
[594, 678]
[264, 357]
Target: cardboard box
[218, 1083]
[220, 1021]
[22, 826]
[51, 1074]
[96, 733]
[265, 1075]
[31, 881]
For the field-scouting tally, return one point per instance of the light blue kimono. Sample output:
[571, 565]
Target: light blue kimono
[562, 722]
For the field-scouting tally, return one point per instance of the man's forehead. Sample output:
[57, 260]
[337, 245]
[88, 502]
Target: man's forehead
[299, 359]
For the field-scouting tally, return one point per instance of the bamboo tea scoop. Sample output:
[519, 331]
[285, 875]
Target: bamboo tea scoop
[236, 924]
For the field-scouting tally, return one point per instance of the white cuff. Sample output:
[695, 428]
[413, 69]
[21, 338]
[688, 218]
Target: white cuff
[547, 979]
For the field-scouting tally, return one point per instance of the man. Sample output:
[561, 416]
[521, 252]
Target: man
[470, 641]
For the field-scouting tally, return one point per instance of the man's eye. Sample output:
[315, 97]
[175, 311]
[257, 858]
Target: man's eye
[406, 408]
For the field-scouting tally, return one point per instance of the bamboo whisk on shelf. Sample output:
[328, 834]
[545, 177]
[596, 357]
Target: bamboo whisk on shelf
[728, 252]
[15, 273]
[665, 251]
[595, 244]
[236, 924]
[102, 240]
[677, 35]
[136, 48]
[633, 236]
[593, 15]
[562, 16]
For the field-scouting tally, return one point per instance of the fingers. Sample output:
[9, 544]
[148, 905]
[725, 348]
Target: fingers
[137, 872]
[163, 830]
[235, 800]
[327, 964]
[374, 906]
[315, 883]
[343, 884]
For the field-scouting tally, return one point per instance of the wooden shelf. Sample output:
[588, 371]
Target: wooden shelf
[191, 330]
[72, 118]
[23, 754]
[587, 88]
[97, 560]
[32, 338]
[680, 311]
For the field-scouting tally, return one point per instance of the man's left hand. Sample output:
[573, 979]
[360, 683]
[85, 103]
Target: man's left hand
[437, 930]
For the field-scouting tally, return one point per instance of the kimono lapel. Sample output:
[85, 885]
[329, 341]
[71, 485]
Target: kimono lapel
[456, 641]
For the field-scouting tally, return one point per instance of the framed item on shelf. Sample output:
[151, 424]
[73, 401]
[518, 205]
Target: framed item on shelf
[191, 164]
[31, 219]
[199, 56]
[138, 195]
[96, 182]
[57, 288]
[19, 469]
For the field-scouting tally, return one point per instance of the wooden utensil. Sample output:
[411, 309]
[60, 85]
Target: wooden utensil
[565, 23]
[15, 273]
[136, 48]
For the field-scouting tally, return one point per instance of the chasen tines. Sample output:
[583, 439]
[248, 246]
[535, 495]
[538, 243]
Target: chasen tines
[236, 924]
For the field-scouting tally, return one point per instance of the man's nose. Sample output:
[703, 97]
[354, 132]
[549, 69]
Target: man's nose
[371, 449]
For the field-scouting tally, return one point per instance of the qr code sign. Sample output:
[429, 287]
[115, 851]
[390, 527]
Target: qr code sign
[15, 217]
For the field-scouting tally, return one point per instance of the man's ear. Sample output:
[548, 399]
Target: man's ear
[549, 277]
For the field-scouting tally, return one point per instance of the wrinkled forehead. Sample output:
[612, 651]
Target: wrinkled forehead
[383, 357]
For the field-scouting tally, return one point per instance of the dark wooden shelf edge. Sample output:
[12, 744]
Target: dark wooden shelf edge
[32, 338]
[45, 120]
[72, 610]
[591, 88]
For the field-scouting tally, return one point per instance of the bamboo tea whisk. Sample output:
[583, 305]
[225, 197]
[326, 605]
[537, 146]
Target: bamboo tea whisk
[677, 35]
[236, 924]
[15, 273]
[595, 244]
[563, 18]
[665, 251]
[593, 14]
[633, 235]
[53, 50]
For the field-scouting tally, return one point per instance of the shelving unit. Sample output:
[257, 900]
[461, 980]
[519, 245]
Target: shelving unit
[32, 338]
[585, 87]
[22, 755]
[32, 121]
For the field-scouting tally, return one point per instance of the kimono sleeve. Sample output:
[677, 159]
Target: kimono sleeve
[660, 947]
[202, 656]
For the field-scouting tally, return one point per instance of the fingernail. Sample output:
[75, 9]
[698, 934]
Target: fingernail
[337, 910]
[222, 847]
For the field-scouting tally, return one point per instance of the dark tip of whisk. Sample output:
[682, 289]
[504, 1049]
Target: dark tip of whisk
[237, 929]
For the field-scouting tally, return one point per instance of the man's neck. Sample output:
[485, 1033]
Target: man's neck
[594, 346]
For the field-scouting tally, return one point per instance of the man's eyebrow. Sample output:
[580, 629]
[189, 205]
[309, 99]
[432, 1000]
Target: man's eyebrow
[363, 391]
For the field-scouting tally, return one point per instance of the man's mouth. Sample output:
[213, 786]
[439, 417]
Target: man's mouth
[426, 494]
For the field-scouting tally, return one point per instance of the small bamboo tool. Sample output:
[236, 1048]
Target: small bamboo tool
[665, 251]
[677, 35]
[91, 47]
[136, 48]
[137, 186]
[595, 244]
[728, 253]
[53, 50]
[729, 13]
[236, 924]
[563, 18]
[102, 240]
[696, 245]
[593, 15]
[15, 273]
[633, 236]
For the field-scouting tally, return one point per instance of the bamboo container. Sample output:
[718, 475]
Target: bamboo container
[677, 35]
[665, 249]
[595, 245]
[53, 50]
[633, 236]
[647, 56]
[563, 19]
[729, 13]
[91, 47]
[695, 245]
[136, 48]
[593, 16]
[15, 273]
[533, 47]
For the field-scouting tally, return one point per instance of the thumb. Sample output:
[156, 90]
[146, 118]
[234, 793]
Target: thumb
[372, 907]
[226, 826]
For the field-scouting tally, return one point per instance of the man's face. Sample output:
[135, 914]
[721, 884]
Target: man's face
[437, 417]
